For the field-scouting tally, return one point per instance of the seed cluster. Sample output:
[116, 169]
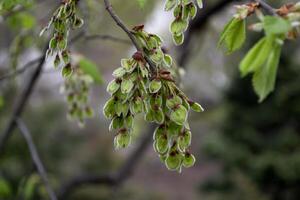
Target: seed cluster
[76, 89]
[139, 89]
[183, 11]
[63, 19]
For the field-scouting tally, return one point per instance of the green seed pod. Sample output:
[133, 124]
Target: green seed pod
[144, 71]
[168, 60]
[136, 106]
[62, 44]
[157, 56]
[129, 121]
[173, 102]
[178, 26]
[89, 112]
[150, 116]
[65, 56]
[188, 160]
[156, 101]
[118, 108]
[191, 9]
[174, 129]
[67, 70]
[186, 104]
[179, 115]
[152, 43]
[170, 4]
[125, 108]
[119, 72]
[162, 158]
[157, 38]
[53, 43]
[116, 123]
[196, 107]
[159, 116]
[126, 86]
[78, 22]
[178, 11]
[184, 141]
[113, 87]
[159, 131]
[173, 161]
[109, 108]
[154, 86]
[128, 65]
[161, 144]
[122, 140]
[178, 39]
[56, 61]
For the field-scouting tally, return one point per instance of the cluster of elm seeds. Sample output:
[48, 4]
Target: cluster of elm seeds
[183, 11]
[63, 20]
[76, 89]
[137, 88]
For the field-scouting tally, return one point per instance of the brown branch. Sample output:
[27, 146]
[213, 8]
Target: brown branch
[110, 179]
[32, 63]
[127, 31]
[266, 7]
[35, 157]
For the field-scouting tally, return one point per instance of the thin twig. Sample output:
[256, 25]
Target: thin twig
[267, 7]
[110, 179]
[127, 31]
[35, 157]
[21, 103]
[80, 35]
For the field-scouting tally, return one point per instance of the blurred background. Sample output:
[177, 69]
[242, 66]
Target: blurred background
[244, 150]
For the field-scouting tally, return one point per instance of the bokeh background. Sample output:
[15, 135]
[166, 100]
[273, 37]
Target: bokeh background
[244, 150]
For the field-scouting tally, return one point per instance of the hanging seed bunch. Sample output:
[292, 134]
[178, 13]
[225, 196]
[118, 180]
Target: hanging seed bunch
[183, 11]
[76, 89]
[63, 20]
[139, 89]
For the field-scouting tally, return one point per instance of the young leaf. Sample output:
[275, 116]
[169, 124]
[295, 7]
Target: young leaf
[90, 68]
[264, 78]
[257, 56]
[276, 25]
[234, 35]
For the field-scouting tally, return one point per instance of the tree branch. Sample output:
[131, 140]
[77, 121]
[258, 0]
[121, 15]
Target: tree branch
[266, 7]
[35, 157]
[80, 35]
[110, 179]
[127, 31]
[21, 103]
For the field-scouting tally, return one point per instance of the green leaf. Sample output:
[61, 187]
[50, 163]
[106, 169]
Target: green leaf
[264, 79]
[90, 68]
[276, 25]
[257, 55]
[233, 35]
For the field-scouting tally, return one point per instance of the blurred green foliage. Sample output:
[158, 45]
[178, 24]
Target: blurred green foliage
[259, 142]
